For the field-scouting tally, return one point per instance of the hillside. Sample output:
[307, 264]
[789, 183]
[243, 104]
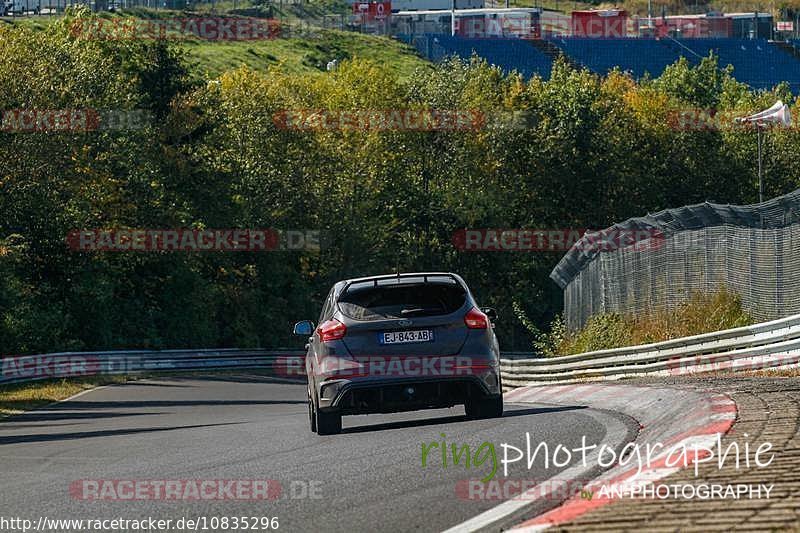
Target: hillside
[301, 50]
[298, 55]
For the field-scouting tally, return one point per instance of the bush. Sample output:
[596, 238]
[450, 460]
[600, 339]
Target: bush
[702, 313]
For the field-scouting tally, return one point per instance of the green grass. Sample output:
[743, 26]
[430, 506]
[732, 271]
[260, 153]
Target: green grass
[301, 55]
[21, 397]
[303, 49]
[33, 23]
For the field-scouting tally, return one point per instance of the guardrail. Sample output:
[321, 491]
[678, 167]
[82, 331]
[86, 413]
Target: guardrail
[280, 363]
[283, 363]
[767, 345]
[771, 344]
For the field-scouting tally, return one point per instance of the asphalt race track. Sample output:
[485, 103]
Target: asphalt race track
[240, 427]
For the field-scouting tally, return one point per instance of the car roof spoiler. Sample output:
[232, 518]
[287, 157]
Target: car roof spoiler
[425, 276]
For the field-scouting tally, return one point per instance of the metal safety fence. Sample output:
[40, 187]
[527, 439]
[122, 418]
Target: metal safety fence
[766, 346]
[753, 251]
[23, 368]
[286, 364]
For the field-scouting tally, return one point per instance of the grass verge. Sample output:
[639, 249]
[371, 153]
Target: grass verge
[763, 373]
[19, 397]
[702, 313]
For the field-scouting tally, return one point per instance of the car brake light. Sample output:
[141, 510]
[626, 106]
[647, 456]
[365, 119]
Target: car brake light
[476, 319]
[332, 330]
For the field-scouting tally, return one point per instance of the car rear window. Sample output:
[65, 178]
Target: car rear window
[367, 302]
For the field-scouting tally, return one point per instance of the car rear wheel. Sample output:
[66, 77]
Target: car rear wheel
[328, 423]
[312, 417]
[491, 407]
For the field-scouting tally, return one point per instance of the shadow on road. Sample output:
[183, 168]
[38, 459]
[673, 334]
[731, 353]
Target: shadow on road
[452, 419]
[133, 404]
[244, 378]
[12, 424]
[154, 382]
[542, 410]
[65, 414]
[48, 437]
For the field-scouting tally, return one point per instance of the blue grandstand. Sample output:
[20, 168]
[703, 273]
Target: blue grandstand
[509, 54]
[638, 56]
[756, 62]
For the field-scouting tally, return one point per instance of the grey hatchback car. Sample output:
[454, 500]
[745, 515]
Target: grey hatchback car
[400, 342]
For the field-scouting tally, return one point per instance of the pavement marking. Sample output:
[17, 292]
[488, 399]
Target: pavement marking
[73, 397]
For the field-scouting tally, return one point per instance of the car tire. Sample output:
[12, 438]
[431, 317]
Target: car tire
[312, 415]
[328, 423]
[491, 407]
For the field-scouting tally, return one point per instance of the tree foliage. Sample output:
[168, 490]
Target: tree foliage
[593, 150]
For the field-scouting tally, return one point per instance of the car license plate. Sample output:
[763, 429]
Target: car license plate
[404, 337]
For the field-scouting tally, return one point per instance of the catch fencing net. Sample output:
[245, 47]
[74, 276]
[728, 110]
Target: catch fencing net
[753, 251]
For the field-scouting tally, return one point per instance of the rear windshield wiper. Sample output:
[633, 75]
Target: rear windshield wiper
[418, 310]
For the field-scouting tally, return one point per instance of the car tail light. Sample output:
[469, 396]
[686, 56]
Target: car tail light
[476, 319]
[332, 330]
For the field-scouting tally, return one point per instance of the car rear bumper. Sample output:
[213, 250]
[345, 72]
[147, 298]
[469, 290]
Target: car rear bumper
[370, 395]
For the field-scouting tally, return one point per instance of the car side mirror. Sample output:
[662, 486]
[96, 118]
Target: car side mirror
[491, 313]
[304, 328]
